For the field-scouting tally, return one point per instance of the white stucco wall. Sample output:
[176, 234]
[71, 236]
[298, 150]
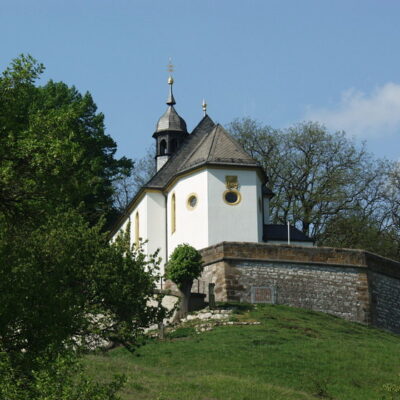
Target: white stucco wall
[141, 208]
[241, 222]
[191, 225]
[210, 222]
[156, 221]
[151, 209]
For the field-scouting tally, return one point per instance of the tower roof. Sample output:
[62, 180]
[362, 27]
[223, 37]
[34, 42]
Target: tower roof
[208, 144]
[171, 120]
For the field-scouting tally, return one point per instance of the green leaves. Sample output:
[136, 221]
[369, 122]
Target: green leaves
[53, 147]
[60, 379]
[326, 184]
[63, 282]
[63, 286]
[184, 265]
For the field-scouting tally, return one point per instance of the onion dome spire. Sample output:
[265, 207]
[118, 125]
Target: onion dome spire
[171, 120]
[170, 101]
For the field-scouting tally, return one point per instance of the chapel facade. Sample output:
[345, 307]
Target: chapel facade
[206, 190]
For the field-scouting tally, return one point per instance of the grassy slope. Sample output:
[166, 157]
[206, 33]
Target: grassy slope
[293, 354]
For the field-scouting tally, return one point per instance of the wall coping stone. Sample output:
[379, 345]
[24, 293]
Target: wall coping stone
[282, 261]
[284, 253]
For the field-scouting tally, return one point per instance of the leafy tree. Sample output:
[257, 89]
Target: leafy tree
[63, 287]
[389, 208]
[327, 185]
[391, 192]
[53, 148]
[359, 232]
[184, 265]
[65, 380]
[315, 174]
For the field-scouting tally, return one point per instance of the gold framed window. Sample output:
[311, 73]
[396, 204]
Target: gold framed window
[192, 201]
[231, 197]
[173, 213]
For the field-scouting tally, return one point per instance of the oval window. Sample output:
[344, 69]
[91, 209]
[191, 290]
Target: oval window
[232, 197]
[192, 201]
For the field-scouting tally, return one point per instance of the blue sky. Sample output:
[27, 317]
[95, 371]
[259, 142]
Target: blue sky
[280, 62]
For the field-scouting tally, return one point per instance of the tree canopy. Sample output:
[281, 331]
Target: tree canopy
[64, 287]
[53, 147]
[324, 180]
[184, 265]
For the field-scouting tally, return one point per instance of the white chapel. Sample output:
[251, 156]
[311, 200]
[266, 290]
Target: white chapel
[206, 190]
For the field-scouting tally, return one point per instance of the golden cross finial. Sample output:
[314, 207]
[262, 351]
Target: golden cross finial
[170, 68]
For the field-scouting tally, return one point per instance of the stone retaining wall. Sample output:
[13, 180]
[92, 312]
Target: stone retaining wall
[385, 301]
[352, 284]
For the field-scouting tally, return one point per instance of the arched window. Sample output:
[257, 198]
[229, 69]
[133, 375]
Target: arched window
[137, 229]
[173, 214]
[163, 147]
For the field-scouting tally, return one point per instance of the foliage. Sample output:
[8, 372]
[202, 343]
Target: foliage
[184, 265]
[53, 148]
[315, 174]
[65, 380]
[357, 231]
[63, 284]
[128, 291]
[63, 287]
[391, 201]
[324, 182]
[292, 354]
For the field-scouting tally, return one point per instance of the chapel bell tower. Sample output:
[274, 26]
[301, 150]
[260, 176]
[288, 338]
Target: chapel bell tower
[170, 131]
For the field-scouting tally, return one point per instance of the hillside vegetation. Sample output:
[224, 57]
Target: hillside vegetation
[292, 354]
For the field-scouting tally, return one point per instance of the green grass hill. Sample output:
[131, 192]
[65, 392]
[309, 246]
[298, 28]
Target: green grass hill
[291, 354]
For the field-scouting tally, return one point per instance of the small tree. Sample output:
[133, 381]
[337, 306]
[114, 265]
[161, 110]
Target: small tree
[184, 265]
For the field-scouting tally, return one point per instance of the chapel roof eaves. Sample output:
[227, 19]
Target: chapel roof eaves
[208, 145]
[158, 181]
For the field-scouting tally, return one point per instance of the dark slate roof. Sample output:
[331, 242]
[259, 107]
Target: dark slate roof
[279, 232]
[218, 147]
[171, 121]
[209, 144]
[173, 165]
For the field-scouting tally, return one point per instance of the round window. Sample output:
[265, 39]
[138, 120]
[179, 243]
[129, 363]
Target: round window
[192, 201]
[232, 197]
